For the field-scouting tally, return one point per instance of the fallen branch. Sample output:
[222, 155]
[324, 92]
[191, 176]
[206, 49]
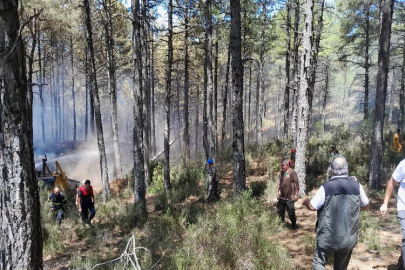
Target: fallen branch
[163, 150]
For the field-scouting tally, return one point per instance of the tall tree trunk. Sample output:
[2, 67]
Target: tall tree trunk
[325, 95]
[391, 99]
[168, 96]
[315, 50]
[382, 75]
[261, 90]
[139, 169]
[63, 128]
[211, 134]
[30, 65]
[94, 88]
[303, 102]
[402, 92]
[41, 86]
[225, 99]
[112, 84]
[249, 100]
[367, 64]
[20, 218]
[237, 108]
[287, 69]
[294, 119]
[186, 135]
[145, 92]
[86, 118]
[197, 114]
[215, 114]
[73, 90]
[153, 101]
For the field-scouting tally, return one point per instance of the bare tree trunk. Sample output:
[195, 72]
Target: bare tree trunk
[41, 87]
[139, 169]
[225, 99]
[99, 124]
[167, 100]
[261, 90]
[294, 119]
[303, 101]
[287, 69]
[367, 63]
[325, 96]
[237, 108]
[20, 219]
[382, 75]
[315, 50]
[209, 84]
[402, 92]
[197, 116]
[391, 100]
[73, 90]
[249, 100]
[86, 118]
[186, 135]
[112, 84]
[215, 114]
[153, 102]
[63, 130]
[145, 93]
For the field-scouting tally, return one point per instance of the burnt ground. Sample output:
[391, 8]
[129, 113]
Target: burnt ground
[299, 243]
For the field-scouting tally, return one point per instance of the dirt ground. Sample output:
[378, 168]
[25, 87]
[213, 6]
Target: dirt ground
[296, 241]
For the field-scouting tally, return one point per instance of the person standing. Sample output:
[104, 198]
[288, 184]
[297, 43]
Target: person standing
[338, 202]
[397, 177]
[58, 204]
[287, 192]
[212, 181]
[86, 202]
[397, 141]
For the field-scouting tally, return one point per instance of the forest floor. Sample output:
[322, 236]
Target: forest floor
[299, 242]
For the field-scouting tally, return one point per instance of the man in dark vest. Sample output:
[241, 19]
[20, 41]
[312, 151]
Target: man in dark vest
[287, 192]
[58, 204]
[338, 202]
[86, 202]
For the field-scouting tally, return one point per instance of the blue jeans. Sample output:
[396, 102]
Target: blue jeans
[85, 212]
[401, 218]
[59, 215]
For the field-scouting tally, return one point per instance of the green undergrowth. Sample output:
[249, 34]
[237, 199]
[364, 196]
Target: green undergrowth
[237, 236]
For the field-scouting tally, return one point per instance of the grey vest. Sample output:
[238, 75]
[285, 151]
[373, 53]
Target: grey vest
[338, 218]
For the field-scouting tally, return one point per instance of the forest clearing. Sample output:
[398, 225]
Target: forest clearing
[202, 134]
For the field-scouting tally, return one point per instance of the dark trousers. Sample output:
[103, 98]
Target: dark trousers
[85, 212]
[214, 189]
[288, 205]
[401, 217]
[340, 262]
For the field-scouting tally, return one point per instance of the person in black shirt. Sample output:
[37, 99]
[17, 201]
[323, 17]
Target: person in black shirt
[58, 204]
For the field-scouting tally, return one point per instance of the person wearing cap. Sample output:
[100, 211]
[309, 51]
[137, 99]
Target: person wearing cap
[287, 192]
[397, 142]
[86, 202]
[338, 202]
[212, 181]
[58, 204]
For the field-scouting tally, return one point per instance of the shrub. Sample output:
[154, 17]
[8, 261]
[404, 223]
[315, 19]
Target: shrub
[237, 236]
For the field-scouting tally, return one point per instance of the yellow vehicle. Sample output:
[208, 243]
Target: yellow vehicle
[56, 179]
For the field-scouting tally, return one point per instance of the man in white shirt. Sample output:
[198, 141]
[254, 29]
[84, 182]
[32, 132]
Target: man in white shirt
[397, 177]
[338, 202]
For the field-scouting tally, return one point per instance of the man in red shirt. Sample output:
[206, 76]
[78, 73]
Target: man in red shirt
[86, 202]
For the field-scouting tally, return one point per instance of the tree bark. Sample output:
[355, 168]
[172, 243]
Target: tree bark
[167, 100]
[186, 135]
[381, 92]
[287, 69]
[367, 64]
[112, 84]
[20, 210]
[96, 100]
[197, 116]
[153, 101]
[402, 92]
[261, 67]
[225, 99]
[211, 134]
[73, 90]
[41, 89]
[294, 119]
[303, 101]
[391, 99]
[139, 170]
[215, 114]
[237, 108]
